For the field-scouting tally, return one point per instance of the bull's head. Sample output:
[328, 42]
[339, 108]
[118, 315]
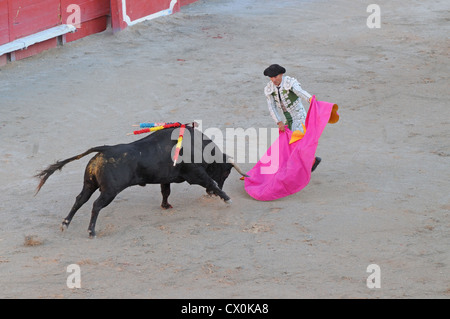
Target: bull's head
[220, 171]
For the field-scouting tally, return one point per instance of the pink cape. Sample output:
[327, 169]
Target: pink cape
[286, 169]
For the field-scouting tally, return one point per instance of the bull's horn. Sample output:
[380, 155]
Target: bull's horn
[238, 169]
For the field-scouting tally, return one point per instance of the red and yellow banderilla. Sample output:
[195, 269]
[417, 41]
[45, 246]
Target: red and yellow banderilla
[178, 147]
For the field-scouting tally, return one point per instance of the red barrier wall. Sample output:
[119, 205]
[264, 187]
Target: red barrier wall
[30, 16]
[4, 22]
[4, 28]
[127, 12]
[117, 22]
[140, 9]
[20, 18]
[94, 15]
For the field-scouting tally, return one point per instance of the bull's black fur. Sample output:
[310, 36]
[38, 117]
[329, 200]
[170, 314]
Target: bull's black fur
[145, 161]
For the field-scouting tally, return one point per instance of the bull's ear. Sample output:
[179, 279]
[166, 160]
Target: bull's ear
[236, 167]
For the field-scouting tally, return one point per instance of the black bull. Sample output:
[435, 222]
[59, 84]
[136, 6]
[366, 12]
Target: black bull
[148, 161]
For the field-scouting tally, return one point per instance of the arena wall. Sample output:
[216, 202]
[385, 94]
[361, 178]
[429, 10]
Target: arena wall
[28, 27]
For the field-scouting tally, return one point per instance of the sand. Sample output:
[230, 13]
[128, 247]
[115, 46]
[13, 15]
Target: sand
[380, 195]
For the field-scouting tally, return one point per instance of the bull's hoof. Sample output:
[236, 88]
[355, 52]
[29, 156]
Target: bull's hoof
[64, 225]
[228, 201]
[316, 163]
[91, 234]
[166, 206]
[210, 193]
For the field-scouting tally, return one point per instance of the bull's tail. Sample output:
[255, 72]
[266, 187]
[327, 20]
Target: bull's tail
[46, 173]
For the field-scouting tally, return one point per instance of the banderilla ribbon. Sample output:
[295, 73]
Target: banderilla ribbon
[153, 127]
[178, 147]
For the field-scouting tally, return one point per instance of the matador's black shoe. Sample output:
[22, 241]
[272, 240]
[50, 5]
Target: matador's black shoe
[316, 163]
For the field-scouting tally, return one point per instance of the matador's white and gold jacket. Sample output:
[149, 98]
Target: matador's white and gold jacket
[290, 104]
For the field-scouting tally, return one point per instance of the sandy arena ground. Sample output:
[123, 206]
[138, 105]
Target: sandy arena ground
[380, 195]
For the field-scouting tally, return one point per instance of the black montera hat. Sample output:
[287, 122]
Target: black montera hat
[274, 70]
